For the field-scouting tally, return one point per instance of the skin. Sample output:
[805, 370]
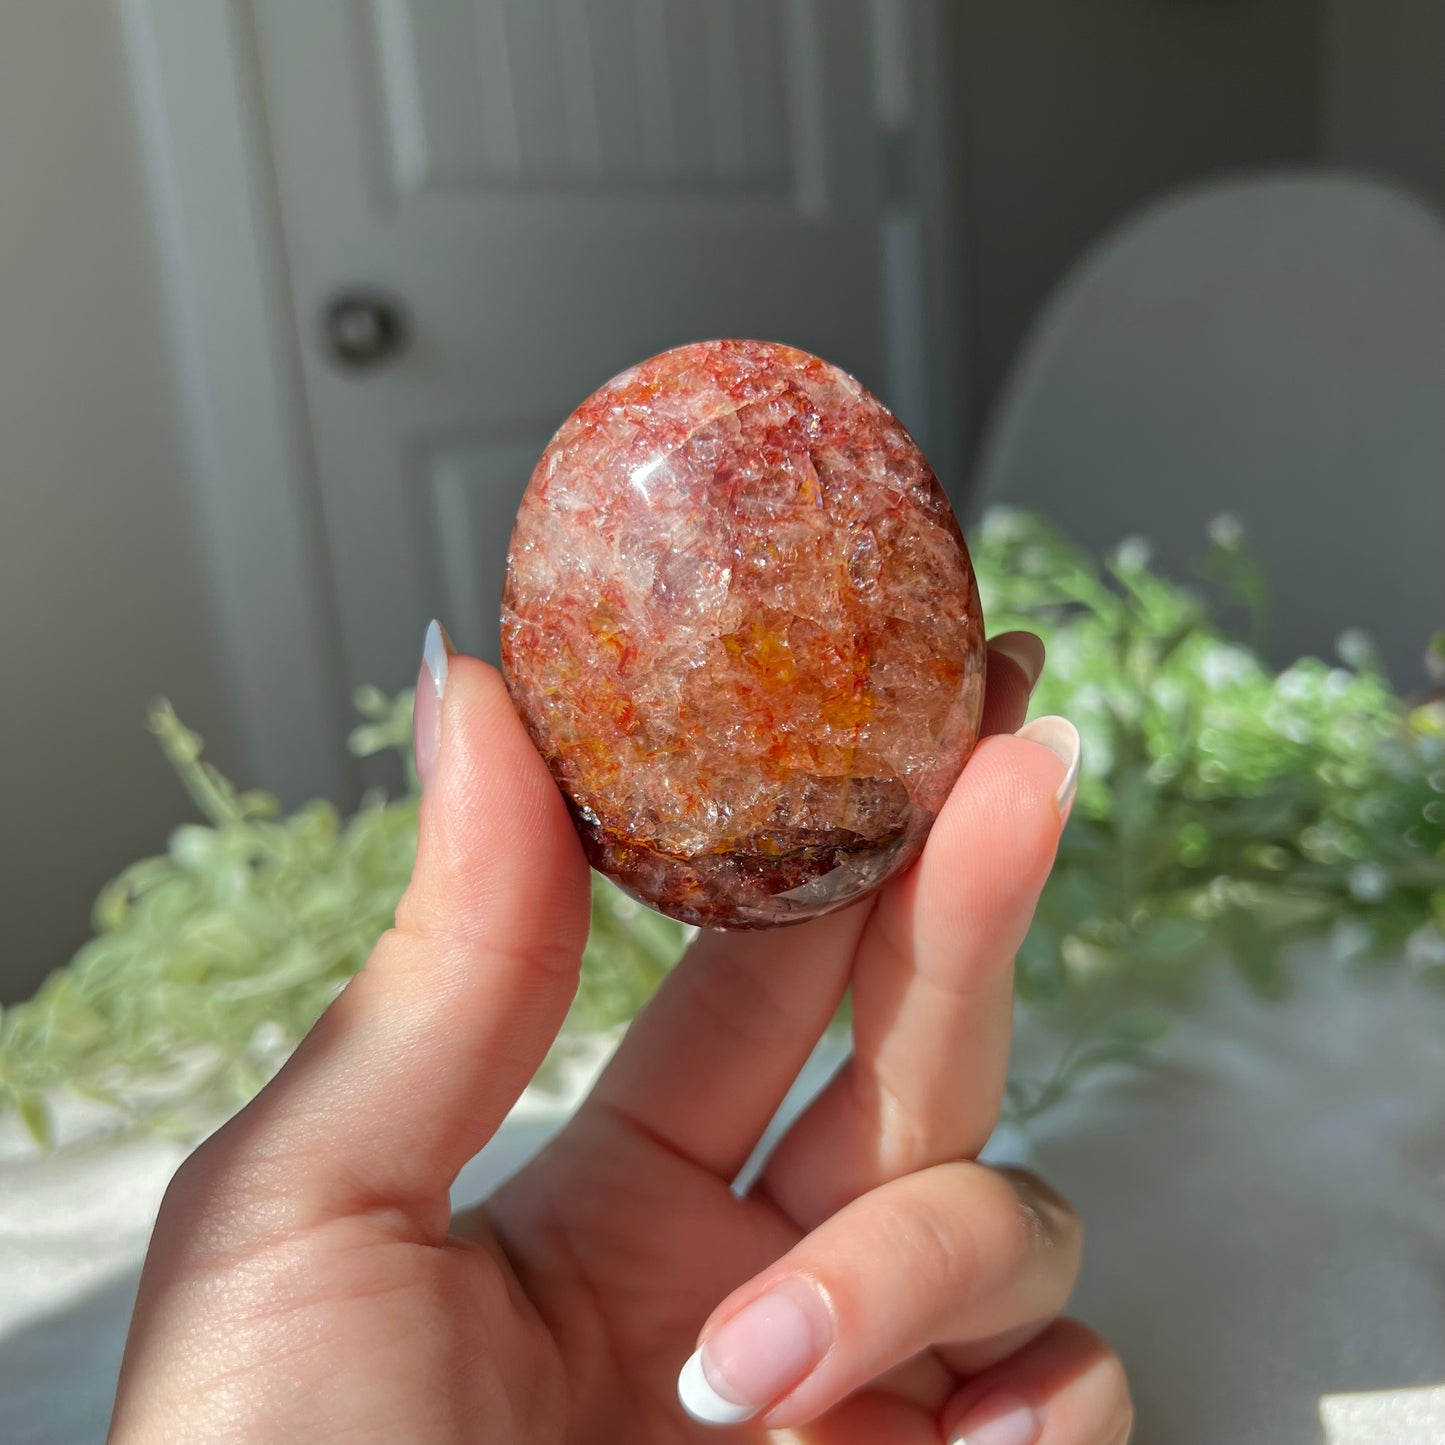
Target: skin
[307, 1281]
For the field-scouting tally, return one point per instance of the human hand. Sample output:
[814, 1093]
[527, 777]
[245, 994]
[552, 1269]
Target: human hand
[307, 1280]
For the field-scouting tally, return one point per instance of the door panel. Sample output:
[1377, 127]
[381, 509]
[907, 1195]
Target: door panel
[553, 189]
[575, 94]
[473, 485]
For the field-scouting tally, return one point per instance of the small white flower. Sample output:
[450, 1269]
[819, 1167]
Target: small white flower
[1369, 882]
[1356, 647]
[1004, 524]
[1169, 694]
[1222, 666]
[1226, 530]
[1294, 684]
[1425, 948]
[1134, 554]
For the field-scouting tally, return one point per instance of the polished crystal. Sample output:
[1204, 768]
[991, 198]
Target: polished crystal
[741, 626]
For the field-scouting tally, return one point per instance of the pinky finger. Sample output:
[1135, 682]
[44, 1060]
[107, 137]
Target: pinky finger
[1065, 1388]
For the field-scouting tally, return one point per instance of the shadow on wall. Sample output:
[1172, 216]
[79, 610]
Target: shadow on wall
[1269, 346]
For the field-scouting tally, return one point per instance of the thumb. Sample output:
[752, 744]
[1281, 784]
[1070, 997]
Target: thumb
[417, 1062]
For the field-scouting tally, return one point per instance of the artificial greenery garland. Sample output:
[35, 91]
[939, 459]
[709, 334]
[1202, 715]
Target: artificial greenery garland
[1224, 812]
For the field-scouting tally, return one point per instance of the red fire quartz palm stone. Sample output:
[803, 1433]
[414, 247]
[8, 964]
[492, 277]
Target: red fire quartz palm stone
[741, 626]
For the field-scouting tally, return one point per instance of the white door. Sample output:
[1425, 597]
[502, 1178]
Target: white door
[551, 190]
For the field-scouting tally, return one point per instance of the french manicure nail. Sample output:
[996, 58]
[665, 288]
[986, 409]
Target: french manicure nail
[1025, 649]
[426, 716]
[758, 1355]
[1001, 1418]
[1061, 738]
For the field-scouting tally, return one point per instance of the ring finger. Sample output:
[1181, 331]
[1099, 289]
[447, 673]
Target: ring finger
[933, 985]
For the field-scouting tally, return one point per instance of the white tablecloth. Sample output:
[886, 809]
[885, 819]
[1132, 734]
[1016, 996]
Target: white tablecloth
[1265, 1218]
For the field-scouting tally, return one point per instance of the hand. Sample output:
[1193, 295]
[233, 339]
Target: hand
[307, 1281]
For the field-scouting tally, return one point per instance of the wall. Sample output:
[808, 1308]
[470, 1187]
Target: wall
[103, 595]
[1383, 107]
[1069, 114]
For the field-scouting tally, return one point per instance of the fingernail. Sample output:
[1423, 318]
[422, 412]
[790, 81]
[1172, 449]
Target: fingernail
[1061, 738]
[426, 714]
[1002, 1418]
[757, 1356]
[1025, 649]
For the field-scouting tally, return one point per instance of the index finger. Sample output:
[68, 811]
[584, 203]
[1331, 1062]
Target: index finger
[416, 1063]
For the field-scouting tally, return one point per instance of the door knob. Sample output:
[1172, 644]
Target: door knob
[363, 328]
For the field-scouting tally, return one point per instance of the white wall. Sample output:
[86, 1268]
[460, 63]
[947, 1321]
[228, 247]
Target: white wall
[103, 595]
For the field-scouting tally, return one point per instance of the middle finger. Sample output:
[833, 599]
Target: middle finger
[711, 1058]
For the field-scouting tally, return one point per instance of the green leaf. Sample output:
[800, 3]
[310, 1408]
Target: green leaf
[36, 1116]
[1141, 1030]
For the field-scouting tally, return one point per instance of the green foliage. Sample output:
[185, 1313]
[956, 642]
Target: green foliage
[1224, 812]
[209, 963]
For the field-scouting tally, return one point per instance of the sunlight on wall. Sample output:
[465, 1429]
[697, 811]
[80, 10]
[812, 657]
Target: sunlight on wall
[1385, 1417]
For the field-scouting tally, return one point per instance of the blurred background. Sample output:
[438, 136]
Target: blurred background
[291, 296]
